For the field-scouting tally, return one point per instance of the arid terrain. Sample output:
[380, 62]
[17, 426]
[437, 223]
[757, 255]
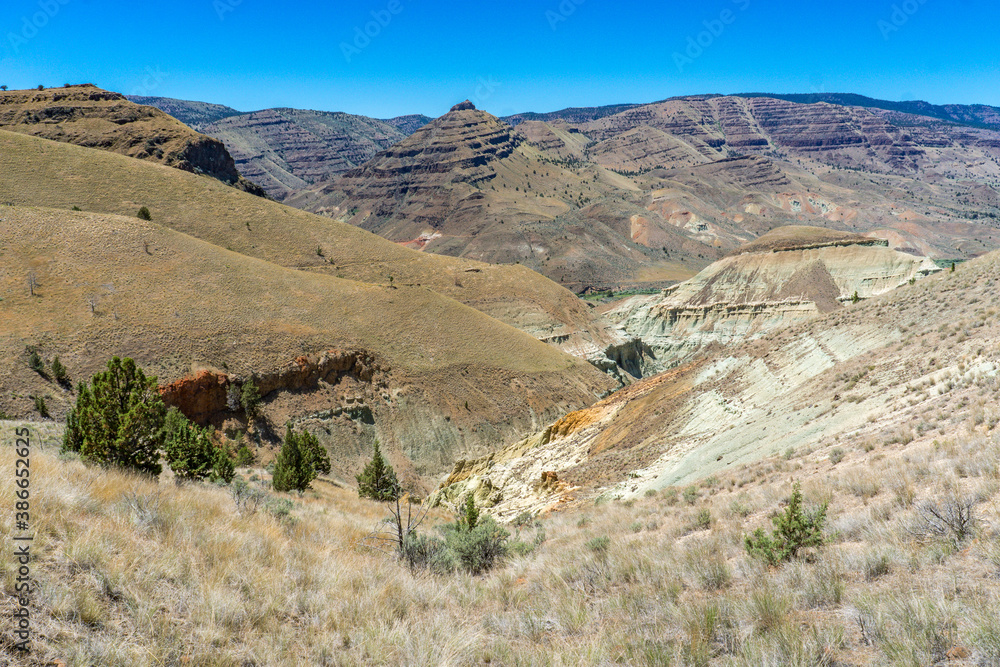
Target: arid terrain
[626, 333]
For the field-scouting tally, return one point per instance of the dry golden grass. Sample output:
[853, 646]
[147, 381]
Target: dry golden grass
[175, 303]
[215, 294]
[38, 172]
[134, 573]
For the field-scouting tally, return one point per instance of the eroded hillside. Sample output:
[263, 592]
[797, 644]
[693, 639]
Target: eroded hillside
[786, 276]
[920, 358]
[468, 185]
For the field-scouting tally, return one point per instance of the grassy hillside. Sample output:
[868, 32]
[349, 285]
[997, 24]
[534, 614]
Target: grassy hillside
[135, 573]
[85, 115]
[44, 173]
[110, 285]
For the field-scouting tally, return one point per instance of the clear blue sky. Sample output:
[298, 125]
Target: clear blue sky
[507, 56]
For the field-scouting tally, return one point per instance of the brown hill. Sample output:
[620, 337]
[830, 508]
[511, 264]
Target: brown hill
[351, 361]
[39, 172]
[88, 116]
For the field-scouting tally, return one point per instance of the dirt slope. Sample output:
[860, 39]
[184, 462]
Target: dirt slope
[44, 173]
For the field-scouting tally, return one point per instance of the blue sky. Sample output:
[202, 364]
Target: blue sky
[420, 56]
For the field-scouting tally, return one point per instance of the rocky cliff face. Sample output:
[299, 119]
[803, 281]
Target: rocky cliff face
[88, 116]
[786, 276]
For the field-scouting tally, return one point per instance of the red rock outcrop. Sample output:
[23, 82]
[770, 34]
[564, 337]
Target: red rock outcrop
[203, 397]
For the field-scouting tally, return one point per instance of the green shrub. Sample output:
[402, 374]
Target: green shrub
[279, 508]
[794, 530]
[41, 407]
[428, 552]
[599, 545]
[144, 214]
[299, 462]
[250, 400]
[187, 447]
[473, 543]
[247, 499]
[223, 468]
[58, 370]
[35, 362]
[118, 419]
[837, 455]
[378, 480]
[244, 457]
[478, 549]
[691, 495]
[470, 516]
[703, 520]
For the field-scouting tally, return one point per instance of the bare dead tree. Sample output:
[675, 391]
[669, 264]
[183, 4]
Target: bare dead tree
[953, 519]
[390, 534]
[145, 247]
[92, 302]
[32, 283]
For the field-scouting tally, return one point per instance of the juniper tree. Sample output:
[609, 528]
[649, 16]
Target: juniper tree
[118, 419]
[299, 462]
[250, 400]
[794, 530]
[58, 370]
[187, 447]
[378, 480]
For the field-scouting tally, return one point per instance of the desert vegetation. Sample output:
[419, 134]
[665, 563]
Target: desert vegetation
[905, 573]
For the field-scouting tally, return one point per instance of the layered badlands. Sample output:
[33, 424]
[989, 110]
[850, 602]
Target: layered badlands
[787, 276]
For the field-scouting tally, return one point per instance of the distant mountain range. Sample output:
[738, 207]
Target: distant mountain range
[973, 115]
[286, 149]
[632, 196]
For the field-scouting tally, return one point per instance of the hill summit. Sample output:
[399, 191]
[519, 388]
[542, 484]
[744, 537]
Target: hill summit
[88, 116]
